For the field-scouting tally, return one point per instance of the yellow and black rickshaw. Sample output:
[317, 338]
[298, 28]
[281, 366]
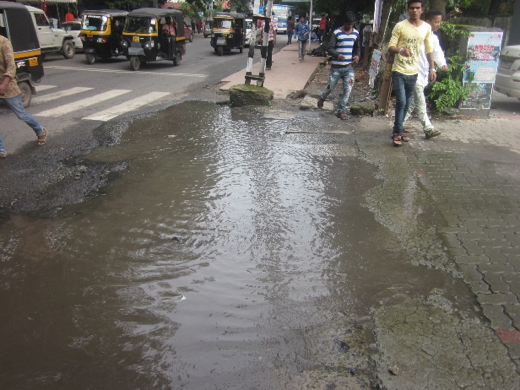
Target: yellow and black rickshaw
[102, 33]
[16, 25]
[154, 34]
[228, 32]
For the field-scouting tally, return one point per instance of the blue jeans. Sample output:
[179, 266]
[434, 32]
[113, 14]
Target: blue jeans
[403, 86]
[301, 49]
[15, 104]
[346, 73]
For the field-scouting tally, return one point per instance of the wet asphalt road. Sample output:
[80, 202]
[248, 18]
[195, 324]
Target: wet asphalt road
[72, 93]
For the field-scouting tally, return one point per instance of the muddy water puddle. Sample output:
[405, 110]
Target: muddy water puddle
[228, 255]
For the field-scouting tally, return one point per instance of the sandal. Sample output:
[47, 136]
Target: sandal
[42, 138]
[343, 116]
[405, 138]
[396, 139]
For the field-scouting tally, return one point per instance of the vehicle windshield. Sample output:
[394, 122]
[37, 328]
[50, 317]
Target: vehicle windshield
[140, 25]
[95, 22]
[71, 26]
[223, 23]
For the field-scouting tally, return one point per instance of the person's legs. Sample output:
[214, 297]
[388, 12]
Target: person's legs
[347, 74]
[411, 107]
[15, 104]
[420, 108]
[303, 49]
[289, 37]
[403, 87]
[300, 44]
[334, 76]
[269, 61]
[400, 102]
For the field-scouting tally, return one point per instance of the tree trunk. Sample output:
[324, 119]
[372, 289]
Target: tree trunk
[439, 5]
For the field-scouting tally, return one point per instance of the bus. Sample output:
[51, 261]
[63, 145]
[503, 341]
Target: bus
[281, 13]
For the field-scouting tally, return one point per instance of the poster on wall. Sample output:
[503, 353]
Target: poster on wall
[374, 67]
[481, 66]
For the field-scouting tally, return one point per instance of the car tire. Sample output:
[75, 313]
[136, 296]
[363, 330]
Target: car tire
[68, 49]
[26, 95]
[91, 58]
[135, 63]
[191, 37]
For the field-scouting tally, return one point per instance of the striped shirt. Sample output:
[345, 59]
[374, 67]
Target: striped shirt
[345, 44]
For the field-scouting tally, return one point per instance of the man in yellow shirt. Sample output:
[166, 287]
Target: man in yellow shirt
[405, 43]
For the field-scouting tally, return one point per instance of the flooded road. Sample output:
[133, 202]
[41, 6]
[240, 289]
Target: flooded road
[229, 254]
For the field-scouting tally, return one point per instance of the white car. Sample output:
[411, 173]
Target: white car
[249, 23]
[74, 29]
[508, 73]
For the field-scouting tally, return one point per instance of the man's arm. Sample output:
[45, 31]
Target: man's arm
[429, 55]
[438, 54]
[10, 68]
[356, 51]
[331, 47]
[394, 41]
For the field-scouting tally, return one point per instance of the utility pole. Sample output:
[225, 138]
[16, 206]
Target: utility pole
[265, 43]
[310, 26]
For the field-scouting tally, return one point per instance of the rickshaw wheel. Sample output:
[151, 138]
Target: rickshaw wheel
[220, 50]
[26, 94]
[135, 63]
[91, 58]
[177, 60]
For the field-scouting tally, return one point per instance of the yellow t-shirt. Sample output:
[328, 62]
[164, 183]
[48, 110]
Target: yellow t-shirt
[410, 37]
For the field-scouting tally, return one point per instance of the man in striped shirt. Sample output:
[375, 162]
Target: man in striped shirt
[344, 49]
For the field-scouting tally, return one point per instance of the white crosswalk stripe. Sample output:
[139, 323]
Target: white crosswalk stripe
[41, 88]
[80, 104]
[57, 95]
[141, 72]
[127, 106]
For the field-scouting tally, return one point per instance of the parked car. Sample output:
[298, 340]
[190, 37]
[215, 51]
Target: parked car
[207, 29]
[74, 29]
[249, 23]
[508, 72]
[188, 32]
[52, 40]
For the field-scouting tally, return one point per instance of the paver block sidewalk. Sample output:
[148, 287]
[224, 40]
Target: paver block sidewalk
[287, 74]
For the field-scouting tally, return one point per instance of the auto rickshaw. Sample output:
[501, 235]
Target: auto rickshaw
[16, 25]
[228, 32]
[101, 34]
[146, 40]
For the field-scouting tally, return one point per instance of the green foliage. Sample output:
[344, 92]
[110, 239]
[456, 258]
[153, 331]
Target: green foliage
[449, 89]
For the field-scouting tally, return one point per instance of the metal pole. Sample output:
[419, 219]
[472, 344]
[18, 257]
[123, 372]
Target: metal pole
[265, 42]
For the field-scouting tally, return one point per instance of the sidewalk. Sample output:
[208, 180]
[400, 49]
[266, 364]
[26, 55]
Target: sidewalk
[287, 74]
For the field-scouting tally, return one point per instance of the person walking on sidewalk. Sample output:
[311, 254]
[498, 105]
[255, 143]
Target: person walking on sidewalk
[290, 29]
[12, 96]
[418, 101]
[405, 43]
[302, 31]
[344, 48]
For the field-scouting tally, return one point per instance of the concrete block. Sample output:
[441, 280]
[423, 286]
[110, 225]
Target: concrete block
[310, 102]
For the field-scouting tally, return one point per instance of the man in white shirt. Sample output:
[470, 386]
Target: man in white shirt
[418, 101]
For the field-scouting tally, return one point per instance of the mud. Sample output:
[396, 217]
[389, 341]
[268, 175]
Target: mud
[205, 247]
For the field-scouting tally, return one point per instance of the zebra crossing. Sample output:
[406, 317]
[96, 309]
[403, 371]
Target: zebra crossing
[46, 94]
